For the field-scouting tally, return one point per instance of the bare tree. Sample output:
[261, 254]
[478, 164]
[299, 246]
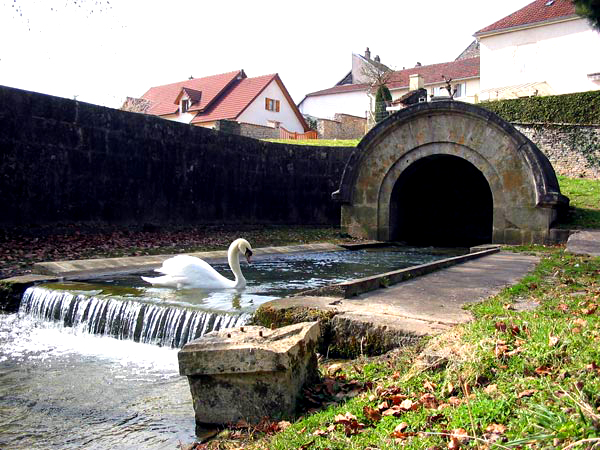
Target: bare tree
[448, 87]
[376, 76]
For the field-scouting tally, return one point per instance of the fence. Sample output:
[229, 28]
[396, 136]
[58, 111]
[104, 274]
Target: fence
[285, 134]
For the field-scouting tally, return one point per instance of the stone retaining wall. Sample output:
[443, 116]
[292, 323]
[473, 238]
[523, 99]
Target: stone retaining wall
[343, 127]
[64, 161]
[573, 150]
[247, 129]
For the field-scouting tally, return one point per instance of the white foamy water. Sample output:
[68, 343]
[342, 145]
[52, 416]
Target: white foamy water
[64, 388]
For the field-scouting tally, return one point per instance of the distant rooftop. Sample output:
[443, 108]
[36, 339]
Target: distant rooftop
[537, 12]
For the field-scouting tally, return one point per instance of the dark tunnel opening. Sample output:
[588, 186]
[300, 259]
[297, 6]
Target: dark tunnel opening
[441, 200]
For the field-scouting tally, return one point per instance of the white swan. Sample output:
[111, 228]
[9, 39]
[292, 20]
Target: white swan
[184, 271]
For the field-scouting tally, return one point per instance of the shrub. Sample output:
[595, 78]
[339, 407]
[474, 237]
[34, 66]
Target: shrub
[582, 108]
[381, 98]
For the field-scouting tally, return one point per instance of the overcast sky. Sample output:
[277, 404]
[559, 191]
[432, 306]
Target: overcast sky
[103, 51]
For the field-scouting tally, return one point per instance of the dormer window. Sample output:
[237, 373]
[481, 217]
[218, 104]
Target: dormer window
[185, 105]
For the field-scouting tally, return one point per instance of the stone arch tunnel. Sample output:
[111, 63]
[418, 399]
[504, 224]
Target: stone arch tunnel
[448, 173]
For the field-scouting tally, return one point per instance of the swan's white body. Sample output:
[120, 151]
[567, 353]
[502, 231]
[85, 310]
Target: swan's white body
[184, 271]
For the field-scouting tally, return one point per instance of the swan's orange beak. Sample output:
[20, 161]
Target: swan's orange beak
[248, 255]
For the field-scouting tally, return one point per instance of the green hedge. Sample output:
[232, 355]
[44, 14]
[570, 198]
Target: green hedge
[581, 108]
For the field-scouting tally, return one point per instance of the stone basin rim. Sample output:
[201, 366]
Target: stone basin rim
[89, 268]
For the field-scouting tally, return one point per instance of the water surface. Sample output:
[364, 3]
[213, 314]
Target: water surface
[72, 374]
[63, 389]
[275, 276]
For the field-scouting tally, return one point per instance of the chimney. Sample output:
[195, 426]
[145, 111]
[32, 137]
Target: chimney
[416, 81]
[418, 64]
[368, 53]
[377, 59]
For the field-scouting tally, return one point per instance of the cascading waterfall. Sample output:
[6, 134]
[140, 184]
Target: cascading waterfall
[125, 319]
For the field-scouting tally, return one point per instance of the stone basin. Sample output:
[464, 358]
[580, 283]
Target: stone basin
[248, 373]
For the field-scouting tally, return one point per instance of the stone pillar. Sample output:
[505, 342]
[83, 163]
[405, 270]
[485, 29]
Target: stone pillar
[249, 372]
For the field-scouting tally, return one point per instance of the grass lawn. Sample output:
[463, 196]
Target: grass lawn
[585, 202]
[319, 142]
[524, 374]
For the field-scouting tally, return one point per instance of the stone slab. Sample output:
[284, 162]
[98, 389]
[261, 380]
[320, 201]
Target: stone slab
[584, 243]
[422, 306]
[246, 349]
[250, 373]
[349, 289]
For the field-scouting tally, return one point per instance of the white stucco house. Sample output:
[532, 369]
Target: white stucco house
[544, 48]
[203, 101]
[353, 95]
[350, 95]
[462, 73]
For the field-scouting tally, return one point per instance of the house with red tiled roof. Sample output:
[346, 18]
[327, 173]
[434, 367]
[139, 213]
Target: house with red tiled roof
[462, 74]
[544, 48]
[232, 96]
[357, 98]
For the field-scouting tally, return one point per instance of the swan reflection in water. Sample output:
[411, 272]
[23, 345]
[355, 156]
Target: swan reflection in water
[184, 271]
[241, 300]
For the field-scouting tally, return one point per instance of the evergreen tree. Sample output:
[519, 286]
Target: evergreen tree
[589, 9]
[381, 98]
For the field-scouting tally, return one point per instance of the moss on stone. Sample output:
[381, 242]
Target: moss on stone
[340, 337]
[267, 316]
[10, 296]
[270, 317]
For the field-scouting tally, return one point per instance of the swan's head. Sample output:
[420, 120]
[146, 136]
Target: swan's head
[244, 248]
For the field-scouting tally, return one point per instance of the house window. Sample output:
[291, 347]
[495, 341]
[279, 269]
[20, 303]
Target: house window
[271, 105]
[439, 91]
[185, 105]
[461, 90]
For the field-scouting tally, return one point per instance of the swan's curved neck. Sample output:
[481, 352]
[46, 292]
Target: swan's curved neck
[233, 257]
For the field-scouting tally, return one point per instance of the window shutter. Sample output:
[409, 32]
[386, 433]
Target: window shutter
[276, 105]
[266, 103]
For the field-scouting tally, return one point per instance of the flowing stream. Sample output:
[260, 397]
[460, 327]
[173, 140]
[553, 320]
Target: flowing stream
[94, 364]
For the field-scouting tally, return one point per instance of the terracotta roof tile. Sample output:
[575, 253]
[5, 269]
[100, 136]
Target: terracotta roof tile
[460, 69]
[235, 100]
[537, 11]
[218, 97]
[163, 97]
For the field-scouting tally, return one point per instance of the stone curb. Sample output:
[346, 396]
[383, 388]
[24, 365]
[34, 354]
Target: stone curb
[108, 266]
[359, 286]
[380, 320]
[584, 242]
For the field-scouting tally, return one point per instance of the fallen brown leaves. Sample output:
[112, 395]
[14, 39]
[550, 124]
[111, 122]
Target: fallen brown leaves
[266, 426]
[332, 390]
[526, 393]
[350, 423]
[19, 249]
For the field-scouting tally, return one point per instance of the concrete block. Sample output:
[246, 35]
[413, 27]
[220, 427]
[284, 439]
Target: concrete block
[249, 372]
[513, 236]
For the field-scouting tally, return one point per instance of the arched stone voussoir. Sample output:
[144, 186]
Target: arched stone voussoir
[424, 139]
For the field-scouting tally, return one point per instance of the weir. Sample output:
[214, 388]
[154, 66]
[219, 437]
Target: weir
[125, 319]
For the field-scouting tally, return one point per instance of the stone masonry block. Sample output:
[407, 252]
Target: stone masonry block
[249, 372]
